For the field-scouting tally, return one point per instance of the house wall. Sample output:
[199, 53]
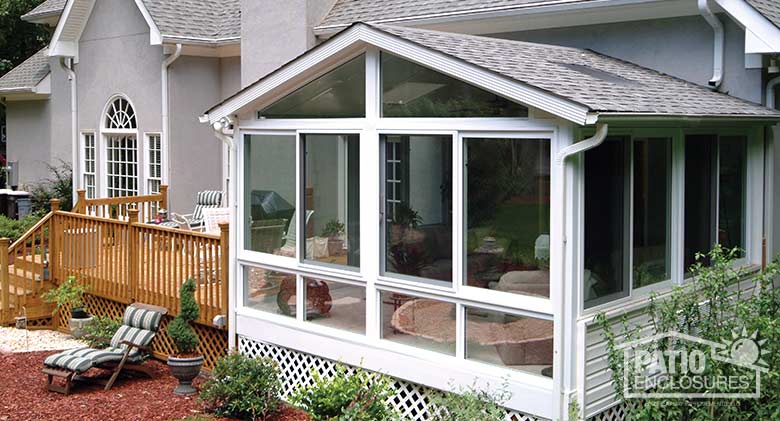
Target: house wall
[28, 135]
[681, 47]
[230, 77]
[61, 118]
[280, 31]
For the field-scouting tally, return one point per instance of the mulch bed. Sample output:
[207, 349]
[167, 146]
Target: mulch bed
[23, 396]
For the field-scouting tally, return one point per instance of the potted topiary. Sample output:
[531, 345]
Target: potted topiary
[334, 230]
[70, 294]
[186, 363]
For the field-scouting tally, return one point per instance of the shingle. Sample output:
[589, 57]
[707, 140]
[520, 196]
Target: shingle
[769, 8]
[346, 12]
[27, 75]
[602, 83]
[48, 7]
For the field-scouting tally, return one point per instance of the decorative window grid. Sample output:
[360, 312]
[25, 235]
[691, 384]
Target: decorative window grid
[154, 180]
[394, 154]
[89, 161]
[122, 165]
[411, 400]
[120, 115]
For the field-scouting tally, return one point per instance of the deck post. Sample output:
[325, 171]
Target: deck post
[164, 199]
[5, 288]
[81, 204]
[132, 249]
[224, 263]
[52, 252]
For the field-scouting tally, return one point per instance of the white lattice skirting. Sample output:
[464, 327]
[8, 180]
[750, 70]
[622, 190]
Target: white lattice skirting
[410, 400]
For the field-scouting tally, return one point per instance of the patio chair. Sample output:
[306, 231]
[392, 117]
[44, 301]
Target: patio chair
[129, 347]
[290, 240]
[212, 217]
[204, 200]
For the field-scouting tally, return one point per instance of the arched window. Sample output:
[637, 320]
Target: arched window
[121, 139]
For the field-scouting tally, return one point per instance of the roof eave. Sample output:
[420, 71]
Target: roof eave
[648, 116]
[46, 18]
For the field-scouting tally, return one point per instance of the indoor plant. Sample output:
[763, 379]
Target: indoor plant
[70, 294]
[334, 230]
[186, 363]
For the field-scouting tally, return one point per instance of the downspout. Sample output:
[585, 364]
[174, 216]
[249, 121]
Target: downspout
[166, 122]
[719, 43]
[221, 128]
[69, 68]
[770, 170]
[567, 308]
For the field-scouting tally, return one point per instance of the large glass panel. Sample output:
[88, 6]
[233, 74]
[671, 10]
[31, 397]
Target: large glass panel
[269, 186]
[340, 93]
[700, 209]
[269, 290]
[332, 198]
[652, 206]
[411, 90]
[731, 193]
[508, 215]
[335, 304]
[420, 322]
[606, 222]
[418, 206]
[522, 343]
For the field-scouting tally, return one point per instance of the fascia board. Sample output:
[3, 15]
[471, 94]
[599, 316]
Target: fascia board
[54, 46]
[764, 35]
[155, 38]
[451, 66]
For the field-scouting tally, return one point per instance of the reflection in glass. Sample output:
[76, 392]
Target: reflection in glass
[411, 90]
[340, 93]
[508, 215]
[507, 340]
[733, 179]
[700, 195]
[332, 198]
[270, 291]
[418, 206]
[337, 305]
[419, 322]
[606, 221]
[652, 225]
[269, 177]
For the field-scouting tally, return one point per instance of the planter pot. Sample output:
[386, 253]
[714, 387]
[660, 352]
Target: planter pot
[335, 246]
[78, 313]
[185, 369]
[77, 325]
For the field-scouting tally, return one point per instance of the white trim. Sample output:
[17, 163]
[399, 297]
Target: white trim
[357, 36]
[147, 160]
[761, 35]
[62, 46]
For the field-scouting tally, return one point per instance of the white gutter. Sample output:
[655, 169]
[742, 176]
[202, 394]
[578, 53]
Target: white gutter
[567, 310]
[166, 123]
[220, 131]
[719, 43]
[74, 122]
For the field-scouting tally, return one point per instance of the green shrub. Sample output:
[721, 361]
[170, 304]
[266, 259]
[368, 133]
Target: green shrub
[13, 229]
[100, 331]
[243, 387]
[180, 329]
[470, 403]
[347, 396]
[67, 294]
[58, 186]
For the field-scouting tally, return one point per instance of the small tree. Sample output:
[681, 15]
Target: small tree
[68, 294]
[180, 329]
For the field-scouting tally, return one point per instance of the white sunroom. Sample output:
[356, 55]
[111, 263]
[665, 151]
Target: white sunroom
[450, 209]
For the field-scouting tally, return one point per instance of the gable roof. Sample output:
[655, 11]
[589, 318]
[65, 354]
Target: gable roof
[45, 9]
[770, 9]
[568, 82]
[26, 76]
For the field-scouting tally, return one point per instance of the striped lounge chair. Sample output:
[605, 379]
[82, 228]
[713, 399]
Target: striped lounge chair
[204, 200]
[129, 347]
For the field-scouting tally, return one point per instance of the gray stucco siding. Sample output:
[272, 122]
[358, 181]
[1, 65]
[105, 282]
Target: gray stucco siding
[28, 136]
[681, 47]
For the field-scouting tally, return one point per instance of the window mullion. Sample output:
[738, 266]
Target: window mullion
[678, 206]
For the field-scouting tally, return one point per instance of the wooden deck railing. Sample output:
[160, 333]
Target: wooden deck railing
[119, 207]
[121, 260]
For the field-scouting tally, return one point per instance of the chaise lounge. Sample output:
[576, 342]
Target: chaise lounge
[129, 347]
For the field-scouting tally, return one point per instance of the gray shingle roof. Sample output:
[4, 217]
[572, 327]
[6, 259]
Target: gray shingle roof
[203, 20]
[769, 8]
[24, 77]
[47, 8]
[602, 83]
[346, 12]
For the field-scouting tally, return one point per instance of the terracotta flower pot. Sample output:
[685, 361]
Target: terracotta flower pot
[185, 370]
